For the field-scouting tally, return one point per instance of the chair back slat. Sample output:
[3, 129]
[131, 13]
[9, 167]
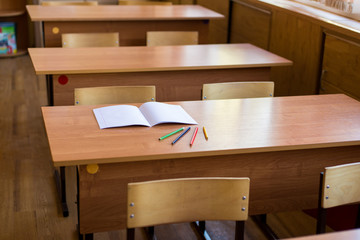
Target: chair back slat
[186, 200]
[169, 38]
[77, 40]
[114, 95]
[232, 90]
[63, 3]
[341, 185]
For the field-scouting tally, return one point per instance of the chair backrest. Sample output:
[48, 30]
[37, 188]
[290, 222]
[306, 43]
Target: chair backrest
[62, 3]
[141, 2]
[237, 90]
[114, 95]
[77, 40]
[341, 185]
[166, 38]
[187, 200]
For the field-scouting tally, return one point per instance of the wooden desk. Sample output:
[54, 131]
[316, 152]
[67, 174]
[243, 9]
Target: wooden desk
[132, 22]
[342, 235]
[280, 143]
[178, 72]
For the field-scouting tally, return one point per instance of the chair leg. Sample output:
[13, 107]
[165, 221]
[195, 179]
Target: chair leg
[150, 232]
[130, 233]
[357, 225]
[321, 218]
[199, 232]
[321, 221]
[202, 226]
[239, 230]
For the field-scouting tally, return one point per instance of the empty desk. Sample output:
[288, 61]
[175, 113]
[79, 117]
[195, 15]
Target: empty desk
[178, 72]
[280, 143]
[132, 22]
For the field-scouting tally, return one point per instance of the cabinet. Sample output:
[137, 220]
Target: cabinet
[299, 40]
[288, 35]
[249, 24]
[14, 11]
[340, 66]
[217, 28]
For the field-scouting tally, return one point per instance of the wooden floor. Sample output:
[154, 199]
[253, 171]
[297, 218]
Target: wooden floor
[28, 199]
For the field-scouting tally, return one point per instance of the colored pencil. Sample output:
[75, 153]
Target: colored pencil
[194, 136]
[181, 135]
[170, 134]
[205, 133]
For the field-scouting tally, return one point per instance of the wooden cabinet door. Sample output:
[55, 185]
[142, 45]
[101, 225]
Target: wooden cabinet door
[298, 40]
[341, 67]
[250, 24]
[217, 28]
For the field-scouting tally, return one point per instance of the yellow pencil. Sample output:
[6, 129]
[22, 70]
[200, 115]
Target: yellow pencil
[205, 133]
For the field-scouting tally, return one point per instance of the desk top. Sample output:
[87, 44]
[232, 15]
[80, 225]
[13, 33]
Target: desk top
[120, 13]
[234, 126]
[341, 235]
[145, 59]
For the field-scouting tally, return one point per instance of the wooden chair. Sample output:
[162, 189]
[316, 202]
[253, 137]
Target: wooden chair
[76, 40]
[114, 95]
[165, 38]
[187, 200]
[339, 185]
[141, 2]
[237, 90]
[63, 3]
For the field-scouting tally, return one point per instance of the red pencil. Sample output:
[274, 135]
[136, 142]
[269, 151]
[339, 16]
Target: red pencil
[194, 136]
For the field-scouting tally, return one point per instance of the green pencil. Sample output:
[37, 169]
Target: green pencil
[168, 135]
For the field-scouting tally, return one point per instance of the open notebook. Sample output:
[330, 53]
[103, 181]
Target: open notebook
[148, 114]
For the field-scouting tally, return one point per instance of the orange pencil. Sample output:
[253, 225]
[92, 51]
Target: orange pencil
[194, 136]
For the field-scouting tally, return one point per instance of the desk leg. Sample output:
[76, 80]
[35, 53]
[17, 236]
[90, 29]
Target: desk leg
[50, 89]
[61, 188]
[88, 236]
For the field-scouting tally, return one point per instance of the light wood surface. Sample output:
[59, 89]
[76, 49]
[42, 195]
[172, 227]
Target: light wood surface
[146, 59]
[135, 2]
[76, 40]
[349, 235]
[62, 3]
[171, 38]
[341, 185]
[254, 89]
[187, 200]
[114, 95]
[68, 146]
[120, 13]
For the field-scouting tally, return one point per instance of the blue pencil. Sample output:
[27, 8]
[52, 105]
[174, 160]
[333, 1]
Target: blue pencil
[181, 135]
